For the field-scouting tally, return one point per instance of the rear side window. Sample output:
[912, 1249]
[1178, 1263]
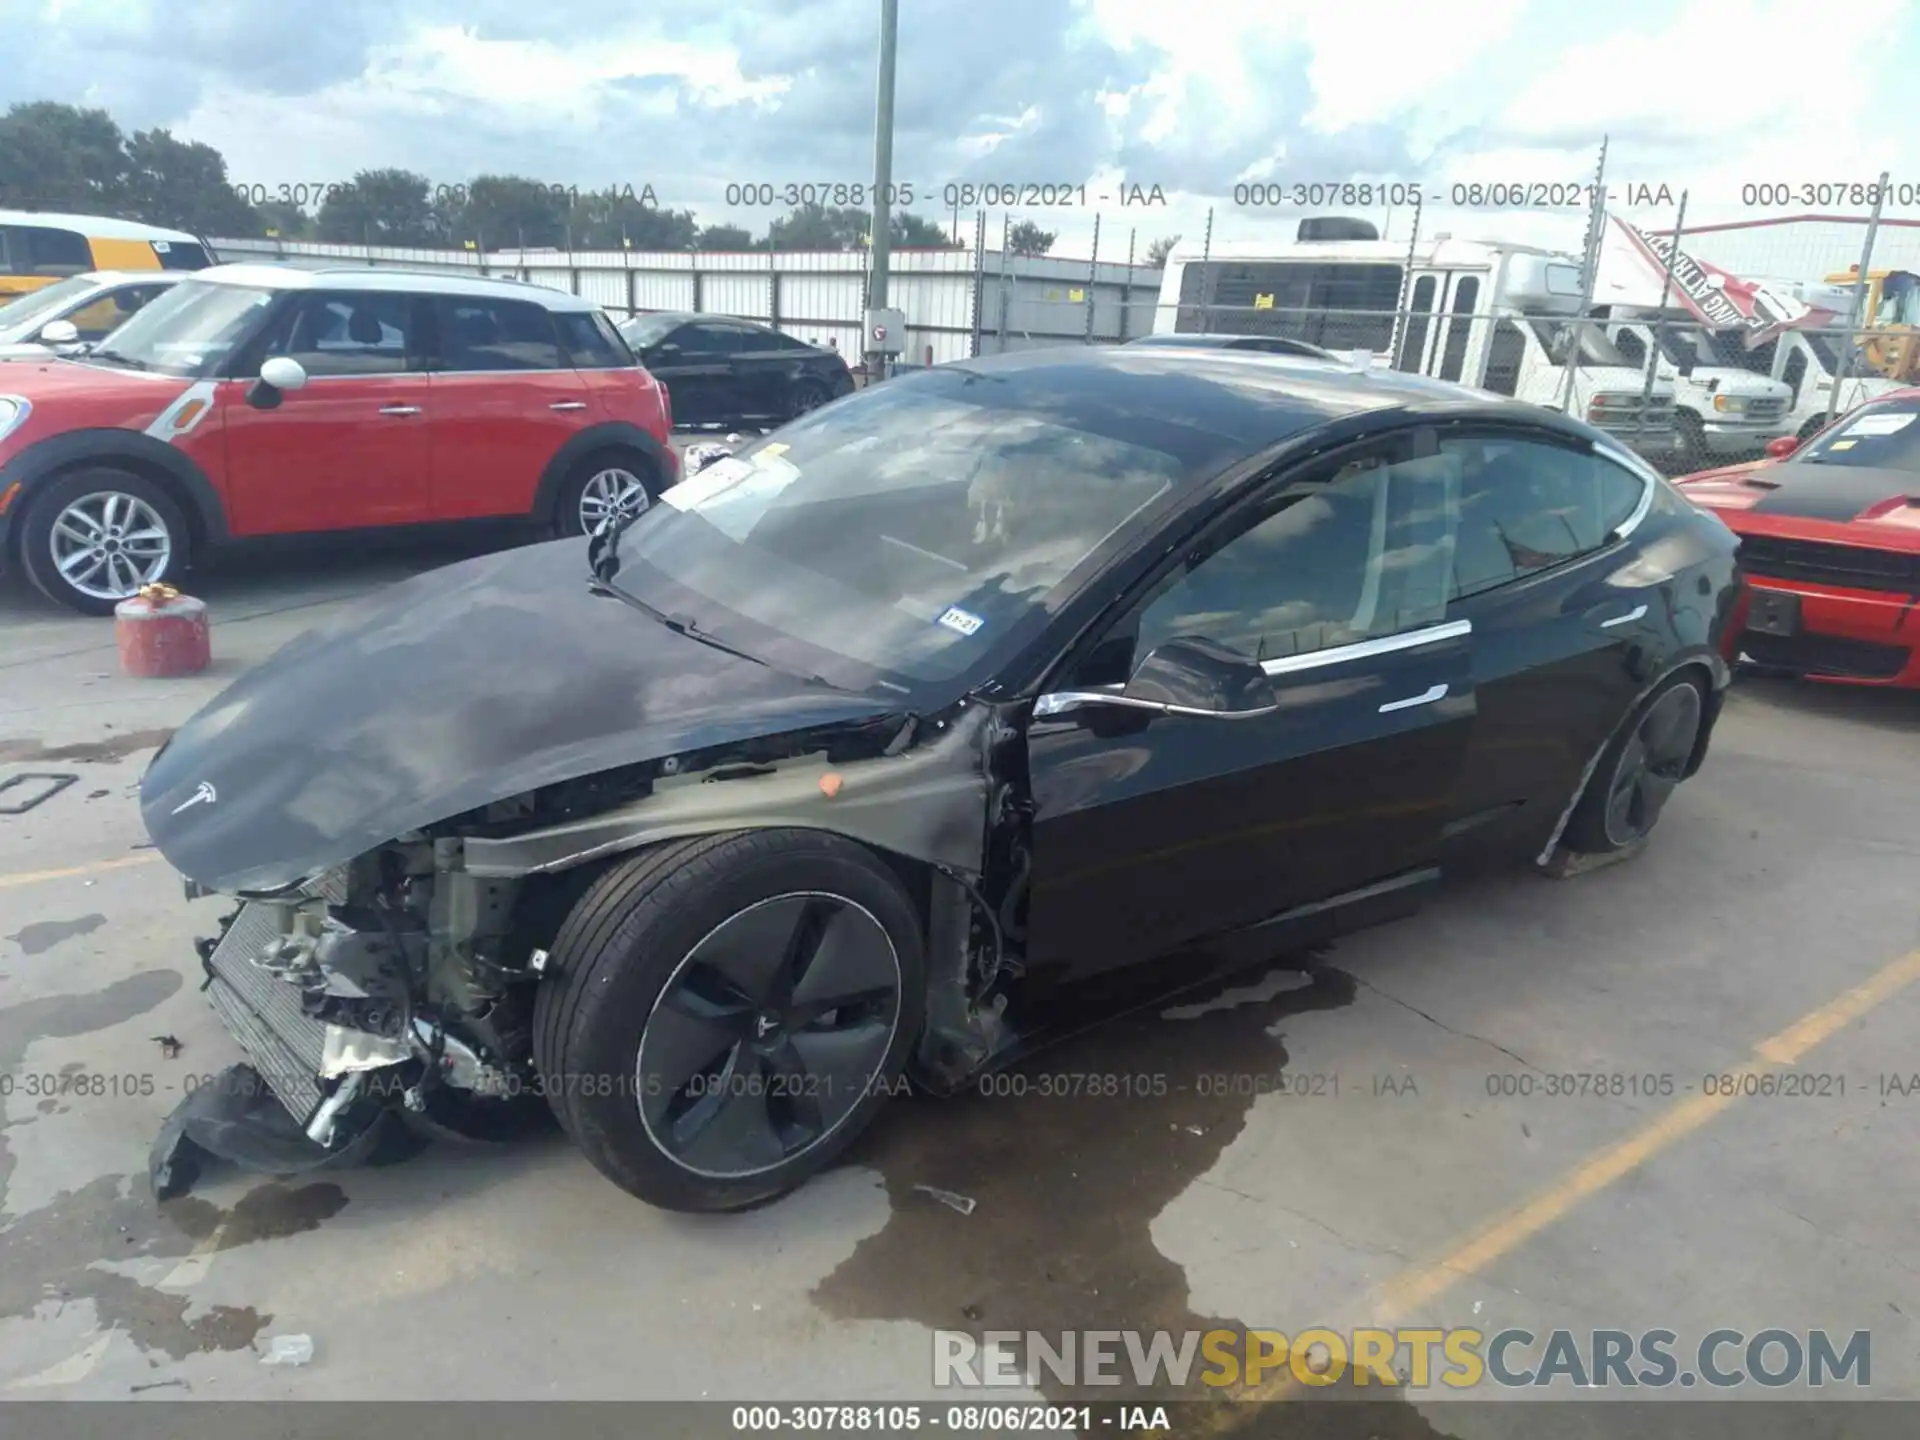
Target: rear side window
[1525, 506]
[591, 342]
[181, 255]
[489, 334]
[44, 250]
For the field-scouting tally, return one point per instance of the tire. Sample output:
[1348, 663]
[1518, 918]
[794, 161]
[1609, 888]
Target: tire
[84, 501]
[1693, 441]
[807, 395]
[661, 1034]
[1639, 770]
[601, 478]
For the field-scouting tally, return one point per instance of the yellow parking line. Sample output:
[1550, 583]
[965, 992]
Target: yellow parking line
[34, 877]
[1424, 1284]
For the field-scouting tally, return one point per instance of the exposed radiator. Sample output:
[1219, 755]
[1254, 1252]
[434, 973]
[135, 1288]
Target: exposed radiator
[263, 1013]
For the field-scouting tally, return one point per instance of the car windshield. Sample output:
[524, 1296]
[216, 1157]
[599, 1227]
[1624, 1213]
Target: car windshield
[910, 529]
[1874, 437]
[20, 317]
[643, 330]
[189, 330]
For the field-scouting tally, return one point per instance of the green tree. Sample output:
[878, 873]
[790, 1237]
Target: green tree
[615, 220]
[289, 220]
[1160, 249]
[1027, 238]
[382, 207]
[820, 227]
[913, 231]
[183, 184]
[511, 211]
[60, 157]
[728, 237]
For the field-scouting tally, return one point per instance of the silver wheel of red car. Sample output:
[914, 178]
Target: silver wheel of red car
[108, 544]
[768, 1034]
[611, 494]
[95, 537]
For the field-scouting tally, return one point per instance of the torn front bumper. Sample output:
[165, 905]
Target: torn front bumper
[311, 1094]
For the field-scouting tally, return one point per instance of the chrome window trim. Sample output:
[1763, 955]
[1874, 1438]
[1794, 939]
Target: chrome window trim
[1367, 649]
[1649, 478]
[1060, 702]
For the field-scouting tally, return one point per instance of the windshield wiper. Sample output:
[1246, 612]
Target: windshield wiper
[681, 625]
[118, 358]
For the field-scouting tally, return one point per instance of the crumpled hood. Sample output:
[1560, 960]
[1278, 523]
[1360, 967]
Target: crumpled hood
[448, 691]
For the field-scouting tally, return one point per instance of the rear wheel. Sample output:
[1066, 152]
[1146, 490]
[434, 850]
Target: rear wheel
[95, 536]
[808, 395]
[601, 488]
[729, 1012]
[1637, 774]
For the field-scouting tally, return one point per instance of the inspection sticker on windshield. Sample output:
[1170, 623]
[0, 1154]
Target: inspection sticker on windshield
[964, 621]
[1884, 423]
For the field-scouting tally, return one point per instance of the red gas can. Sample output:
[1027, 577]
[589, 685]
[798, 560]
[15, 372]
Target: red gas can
[162, 632]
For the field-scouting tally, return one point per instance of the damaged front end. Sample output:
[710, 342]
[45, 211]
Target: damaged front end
[382, 991]
[393, 996]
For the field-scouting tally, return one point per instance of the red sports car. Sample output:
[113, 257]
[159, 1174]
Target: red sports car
[1830, 542]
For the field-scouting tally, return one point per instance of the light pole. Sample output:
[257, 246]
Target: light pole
[882, 182]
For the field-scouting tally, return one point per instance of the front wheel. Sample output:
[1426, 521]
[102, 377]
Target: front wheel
[96, 536]
[601, 489]
[1639, 771]
[729, 1012]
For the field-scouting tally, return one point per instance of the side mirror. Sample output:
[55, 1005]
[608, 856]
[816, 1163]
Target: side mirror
[59, 332]
[1189, 673]
[277, 377]
[1784, 446]
[1184, 676]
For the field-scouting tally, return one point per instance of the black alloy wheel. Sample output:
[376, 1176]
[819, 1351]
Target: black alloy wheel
[720, 1016]
[768, 1035]
[1640, 771]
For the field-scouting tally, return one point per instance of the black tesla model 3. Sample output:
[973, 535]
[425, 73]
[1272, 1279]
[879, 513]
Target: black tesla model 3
[984, 684]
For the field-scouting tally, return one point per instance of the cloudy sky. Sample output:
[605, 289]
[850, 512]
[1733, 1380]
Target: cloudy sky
[1196, 97]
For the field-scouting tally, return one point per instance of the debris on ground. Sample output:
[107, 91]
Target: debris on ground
[158, 1385]
[963, 1203]
[288, 1350]
[170, 1046]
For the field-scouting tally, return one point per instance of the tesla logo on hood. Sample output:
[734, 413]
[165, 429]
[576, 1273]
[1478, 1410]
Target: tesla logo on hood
[205, 793]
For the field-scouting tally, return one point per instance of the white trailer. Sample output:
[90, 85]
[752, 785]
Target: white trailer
[1495, 316]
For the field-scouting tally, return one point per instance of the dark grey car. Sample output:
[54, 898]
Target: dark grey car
[720, 370]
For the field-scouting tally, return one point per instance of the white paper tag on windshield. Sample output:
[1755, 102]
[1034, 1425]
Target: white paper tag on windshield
[705, 484]
[1884, 423]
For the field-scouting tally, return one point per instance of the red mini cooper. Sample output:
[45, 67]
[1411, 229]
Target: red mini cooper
[255, 400]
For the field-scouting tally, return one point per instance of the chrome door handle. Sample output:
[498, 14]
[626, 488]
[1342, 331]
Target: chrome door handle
[568, 405]
[399, 409]
[1626, 619]
[1426, 698]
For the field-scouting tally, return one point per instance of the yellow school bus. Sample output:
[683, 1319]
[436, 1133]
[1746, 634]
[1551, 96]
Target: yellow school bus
[38, 248]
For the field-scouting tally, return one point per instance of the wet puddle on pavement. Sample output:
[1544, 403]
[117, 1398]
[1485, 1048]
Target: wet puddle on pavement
[1067, 1186]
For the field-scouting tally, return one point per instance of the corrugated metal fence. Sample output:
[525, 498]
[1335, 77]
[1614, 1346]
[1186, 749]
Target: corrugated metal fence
[958, 303]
